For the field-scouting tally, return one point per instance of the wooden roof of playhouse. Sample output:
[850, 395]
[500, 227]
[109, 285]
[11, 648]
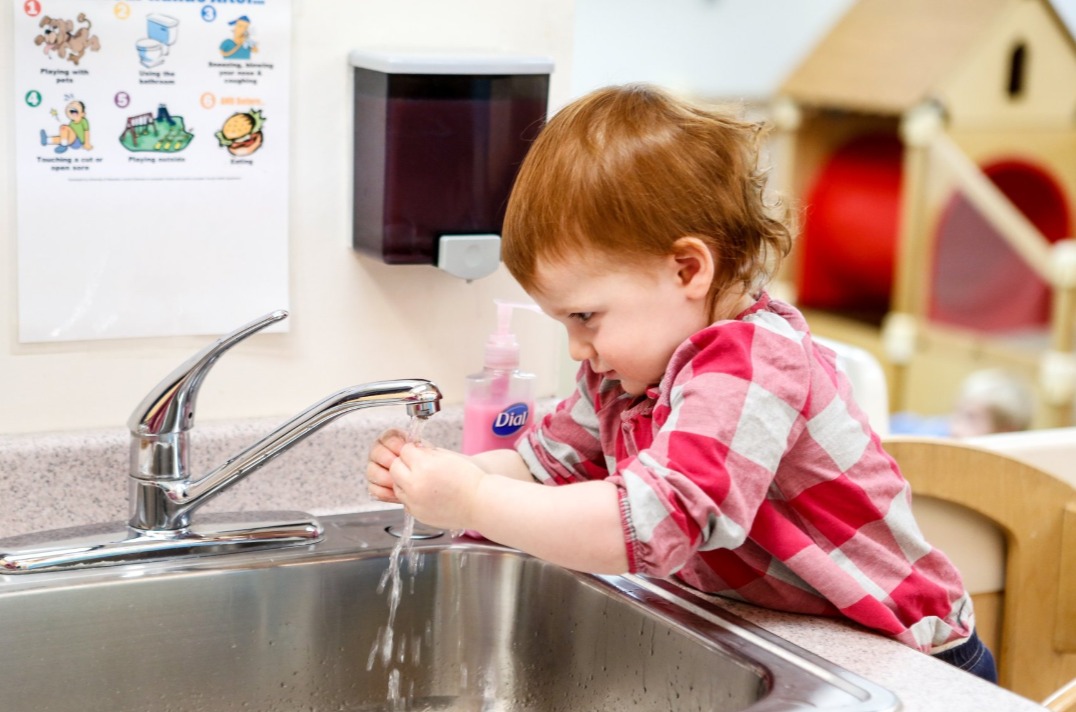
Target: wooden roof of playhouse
[886, 56]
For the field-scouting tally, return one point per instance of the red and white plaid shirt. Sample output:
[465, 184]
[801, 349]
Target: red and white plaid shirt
[750, 472]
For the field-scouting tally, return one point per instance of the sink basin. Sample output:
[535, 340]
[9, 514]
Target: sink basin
[478, 627]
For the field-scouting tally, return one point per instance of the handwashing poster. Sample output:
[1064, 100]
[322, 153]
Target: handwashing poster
[152, 178]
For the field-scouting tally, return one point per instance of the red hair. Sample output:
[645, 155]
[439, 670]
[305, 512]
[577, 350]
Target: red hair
[627, 171]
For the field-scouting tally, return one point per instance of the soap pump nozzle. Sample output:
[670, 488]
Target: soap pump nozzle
[502, 347]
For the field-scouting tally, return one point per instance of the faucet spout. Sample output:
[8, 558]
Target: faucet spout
[162, 492]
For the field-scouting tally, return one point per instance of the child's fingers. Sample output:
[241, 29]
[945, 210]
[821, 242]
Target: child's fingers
[383, 494]
[401, 475]
[412, 453]
[379, 483]
[381, 456]
[393, 439]
[378, 475]
[387, 447]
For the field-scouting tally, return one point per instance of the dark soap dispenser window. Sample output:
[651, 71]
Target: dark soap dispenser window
[438, 141]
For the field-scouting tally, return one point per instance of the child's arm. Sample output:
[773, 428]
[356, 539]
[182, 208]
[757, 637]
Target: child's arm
[503, 462]
[577, 526]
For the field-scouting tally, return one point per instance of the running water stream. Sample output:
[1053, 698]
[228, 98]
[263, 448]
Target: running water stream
[384, 645]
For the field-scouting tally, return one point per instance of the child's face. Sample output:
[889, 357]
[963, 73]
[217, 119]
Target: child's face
[972, 418]
[626, 320]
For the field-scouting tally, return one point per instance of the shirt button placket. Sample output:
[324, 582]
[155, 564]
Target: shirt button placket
[627, 426]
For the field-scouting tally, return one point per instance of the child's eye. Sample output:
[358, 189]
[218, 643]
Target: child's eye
[582, 317]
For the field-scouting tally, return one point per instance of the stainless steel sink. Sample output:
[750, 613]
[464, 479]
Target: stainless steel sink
[478, 627]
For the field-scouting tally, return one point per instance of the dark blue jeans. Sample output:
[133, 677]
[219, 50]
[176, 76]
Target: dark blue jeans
[972, 656]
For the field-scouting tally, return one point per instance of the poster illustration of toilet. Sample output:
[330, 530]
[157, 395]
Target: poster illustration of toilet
[152, 166]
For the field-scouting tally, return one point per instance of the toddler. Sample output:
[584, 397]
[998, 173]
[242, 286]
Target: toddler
[709, 438]
[991, 400]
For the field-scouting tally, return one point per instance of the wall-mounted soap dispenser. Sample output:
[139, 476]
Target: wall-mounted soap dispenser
[439, 138]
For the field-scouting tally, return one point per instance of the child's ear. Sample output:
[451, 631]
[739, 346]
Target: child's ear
[694, 265]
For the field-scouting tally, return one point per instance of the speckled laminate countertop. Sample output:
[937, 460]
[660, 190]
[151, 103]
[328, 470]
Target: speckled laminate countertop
[66, 479]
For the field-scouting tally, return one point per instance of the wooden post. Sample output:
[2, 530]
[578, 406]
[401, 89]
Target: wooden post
[908, 304]
[786, 118]
[1057, 373]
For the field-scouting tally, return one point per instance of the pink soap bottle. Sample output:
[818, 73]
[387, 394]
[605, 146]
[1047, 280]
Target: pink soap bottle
[498, 406]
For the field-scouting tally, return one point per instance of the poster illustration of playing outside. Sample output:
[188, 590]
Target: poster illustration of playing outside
[152, 165]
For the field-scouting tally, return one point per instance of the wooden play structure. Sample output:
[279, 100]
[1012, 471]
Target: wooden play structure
[931, 148]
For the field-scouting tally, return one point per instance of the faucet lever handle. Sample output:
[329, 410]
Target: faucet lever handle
[169, 406]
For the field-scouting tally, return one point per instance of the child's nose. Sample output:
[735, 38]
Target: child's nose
[580, 349]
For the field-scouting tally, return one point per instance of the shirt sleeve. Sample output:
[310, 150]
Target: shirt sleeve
[735, 395]
[566, 445]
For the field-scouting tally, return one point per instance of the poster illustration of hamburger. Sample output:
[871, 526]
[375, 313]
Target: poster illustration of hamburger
[242, 133]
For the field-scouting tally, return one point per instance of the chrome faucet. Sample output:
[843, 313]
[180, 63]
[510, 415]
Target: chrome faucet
[162, 492]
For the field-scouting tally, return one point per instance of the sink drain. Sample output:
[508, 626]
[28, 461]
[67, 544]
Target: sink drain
[421, 531]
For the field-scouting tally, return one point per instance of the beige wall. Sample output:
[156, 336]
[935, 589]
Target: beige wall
[352, 319]
[976, 96]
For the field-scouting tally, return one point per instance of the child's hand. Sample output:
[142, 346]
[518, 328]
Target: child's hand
[437, 486]
[384, 452]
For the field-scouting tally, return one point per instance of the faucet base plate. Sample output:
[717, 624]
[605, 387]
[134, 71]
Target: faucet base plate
[110, 545]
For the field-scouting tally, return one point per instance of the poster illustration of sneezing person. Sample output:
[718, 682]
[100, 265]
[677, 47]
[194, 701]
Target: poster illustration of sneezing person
[152, 165]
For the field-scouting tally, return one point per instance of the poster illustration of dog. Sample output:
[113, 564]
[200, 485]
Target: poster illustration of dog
[61, 37]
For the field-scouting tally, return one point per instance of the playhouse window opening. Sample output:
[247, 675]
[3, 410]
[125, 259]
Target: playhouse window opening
[1017, 65]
